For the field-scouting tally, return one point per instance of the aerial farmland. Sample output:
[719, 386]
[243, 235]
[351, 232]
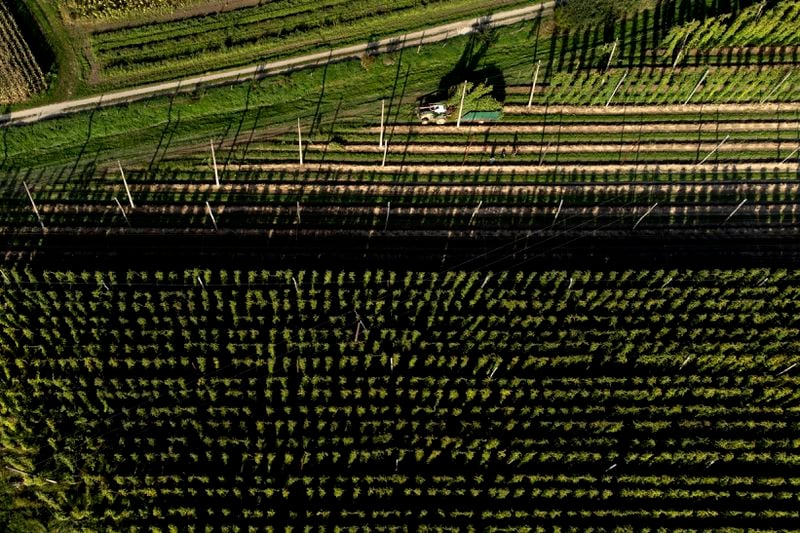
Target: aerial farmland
[440, 265]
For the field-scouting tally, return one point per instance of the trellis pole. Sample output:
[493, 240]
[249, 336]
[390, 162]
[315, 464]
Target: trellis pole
[735, 209]
[461, 105]
[125, 183]
[122, 210]
[475, 212]
[533, 85]
[211, 214]
[300, 141]
[613, 48]
[696, 87]
[558, 211]
[33, 204]
[776, 87]
[714, 150]
[214, 162]
[380, 142]
[645, 214]
[790, 155]
[619, 84]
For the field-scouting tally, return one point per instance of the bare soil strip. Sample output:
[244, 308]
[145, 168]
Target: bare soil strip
[512, 149]
[632, 127]
[659, 109]
[521, 169]
[461, 189]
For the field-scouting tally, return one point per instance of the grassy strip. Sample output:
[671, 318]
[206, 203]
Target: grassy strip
[149, 128]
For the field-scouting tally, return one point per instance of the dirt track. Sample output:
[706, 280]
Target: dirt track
[658, 109]
[523, 189]
[497, 148]
[513, 169]
[631, 127]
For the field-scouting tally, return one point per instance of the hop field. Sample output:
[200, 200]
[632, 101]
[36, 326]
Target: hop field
[397, 400]
[20, 76]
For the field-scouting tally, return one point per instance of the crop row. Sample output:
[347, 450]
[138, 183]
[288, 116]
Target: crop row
[758, 24]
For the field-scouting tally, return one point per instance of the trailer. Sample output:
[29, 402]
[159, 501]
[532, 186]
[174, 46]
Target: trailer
[440, 113]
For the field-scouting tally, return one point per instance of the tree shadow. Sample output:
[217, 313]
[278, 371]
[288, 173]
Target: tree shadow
[469, 66]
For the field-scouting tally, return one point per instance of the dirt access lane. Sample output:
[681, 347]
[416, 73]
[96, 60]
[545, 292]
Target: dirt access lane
[426, 36]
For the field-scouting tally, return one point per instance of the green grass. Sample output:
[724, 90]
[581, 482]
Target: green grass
[136, 129]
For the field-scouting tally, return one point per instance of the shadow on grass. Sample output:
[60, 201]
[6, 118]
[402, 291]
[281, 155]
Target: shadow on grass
[86, 142]
[470, 66]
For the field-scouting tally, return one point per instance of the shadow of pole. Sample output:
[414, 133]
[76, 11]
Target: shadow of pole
[88, 138]
[332, 134]
[315, 121]
[245, 111]
[5, 148]
[166, 127]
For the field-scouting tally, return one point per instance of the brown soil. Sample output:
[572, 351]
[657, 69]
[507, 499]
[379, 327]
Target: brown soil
[512, 169]
[726, 127]
[659, 109]
[529, 190]
[569, 148]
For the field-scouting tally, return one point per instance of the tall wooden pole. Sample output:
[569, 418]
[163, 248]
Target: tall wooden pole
[300, 141]
[461, 105]
[33, 204]
[645, 214]
[696, 87]
[533, 85]
[617, 87]
[735, 210]
[714, 150]
[388, 210]
[125, 182]
[776, 87]
[558, 211]
[475, 212]
[214, 161]
[211, 214]
[380, 142]
[790, 155]
[611, 56]
[121, 210]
